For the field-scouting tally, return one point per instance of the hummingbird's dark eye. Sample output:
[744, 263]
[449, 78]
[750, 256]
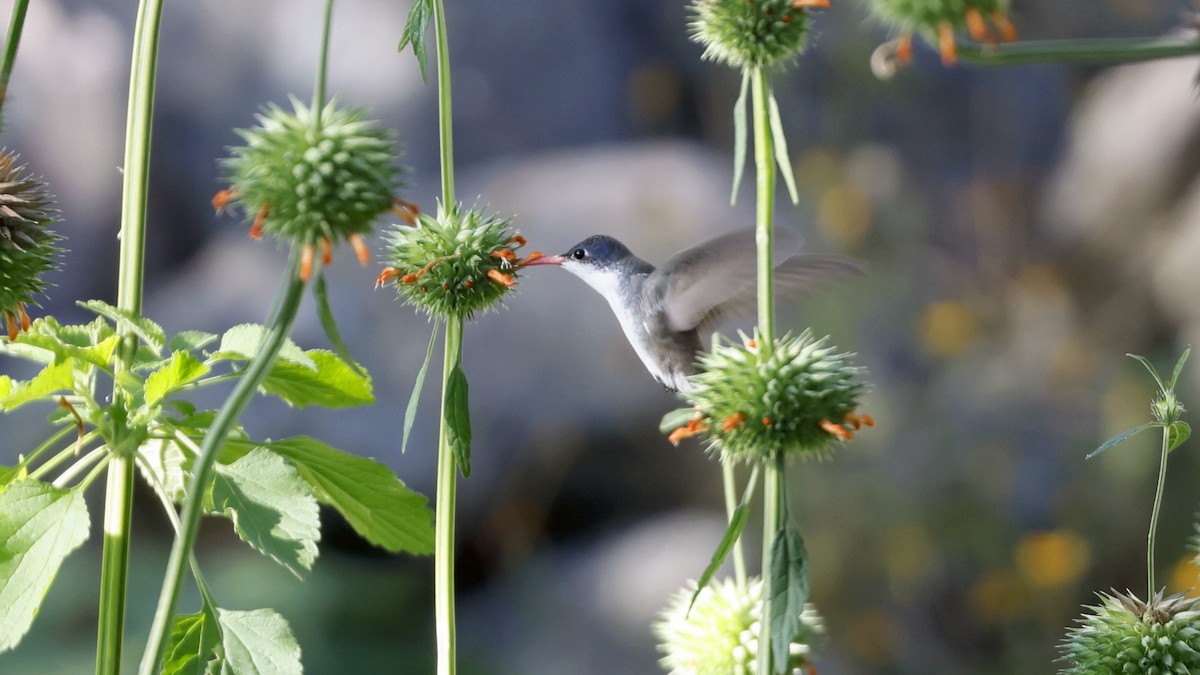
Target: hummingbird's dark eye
[579, 254]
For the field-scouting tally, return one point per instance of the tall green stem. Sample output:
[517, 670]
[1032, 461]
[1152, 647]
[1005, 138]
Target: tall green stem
[731, 503]
[15, 25]
[292, 291]
[1112, 50]
[447, 478]
[445, 124]
[323, 64]
[118, 499]
[1158, 495]
[764, 163]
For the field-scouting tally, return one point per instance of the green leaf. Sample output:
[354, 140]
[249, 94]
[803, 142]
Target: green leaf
[92, 343]
[410, 412]
[40, 525]
[244, 340]
[128, 322]
[331, 384]
[458, 419]
[781, 152]
[789, 592]
[675, 419]
[414, 32]
[1179, 367]
[181, 369]
[52, 379]
[192, 644]
[1177, 433]
[191, 341]
[740, 134]
[272, 508]
[325, 313]
[377, 504]
[6, 386]
[258, 642]
[1119, 438]
[737, 523]
[164, 463]
[1153, 373]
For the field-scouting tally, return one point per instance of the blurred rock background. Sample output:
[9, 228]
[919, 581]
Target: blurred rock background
[1025, 228]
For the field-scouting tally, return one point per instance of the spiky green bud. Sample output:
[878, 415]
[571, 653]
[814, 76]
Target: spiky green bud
[456, 264]
[1125, 635]
[939, 21]
[796, 397]
[720, 634]
[300, 178]
[750, 33]
[28, 248]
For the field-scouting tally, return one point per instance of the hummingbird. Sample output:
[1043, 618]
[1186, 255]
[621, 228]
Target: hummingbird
[663, 310]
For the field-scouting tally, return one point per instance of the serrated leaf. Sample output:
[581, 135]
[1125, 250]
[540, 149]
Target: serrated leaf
[258, 642]
[781, 152]
[191, 341]
[415, 29]
[675, 419]
[329, 324]
[192, 644]
[1119, 438]
[165, 464]
[410, 412]
[92, 343]
[181, 369]
[740, 134]
[54, 378]
[458, 419]
[272, 508]
[377, 504]
[789, 592]
[6, 386]
[244, 340]
[40, 525]
[330, 383]
[1177, 433]
[150, 333]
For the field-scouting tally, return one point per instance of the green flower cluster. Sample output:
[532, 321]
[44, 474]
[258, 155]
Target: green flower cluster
[719, 636]
[456, 264]
[28, 248]
[751, 33]
[795, 397]
[939, 20]
[303, 177]
[1125, 635]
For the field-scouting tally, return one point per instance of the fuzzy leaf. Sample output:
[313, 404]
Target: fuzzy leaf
[192, 644]
[40, 525]
[332, 383]
[1119, 438]
[675, 419]
[325, 313]
[1177, 433]
[271, 506]
[458, 419]
[781, 152]
[244, 340]
[52, 379]
[789, 592]
[191, 341]
[164, 464]
[410, 412]
[258, 642]
[414, 32]
[92, 343]
[181, 369]
[740, 133]
[128, 322]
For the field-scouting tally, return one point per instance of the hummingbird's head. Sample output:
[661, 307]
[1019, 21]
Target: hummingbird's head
[601, 261]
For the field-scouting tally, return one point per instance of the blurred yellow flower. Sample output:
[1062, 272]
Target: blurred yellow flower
[1052, 559]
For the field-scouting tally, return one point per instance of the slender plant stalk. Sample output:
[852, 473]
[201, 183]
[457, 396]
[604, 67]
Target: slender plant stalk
[1112, 50]
[322, 71]
[445, 126]
[731, 503]
[1158, 495]
[118, 499]
[15, 25]
[291, 291]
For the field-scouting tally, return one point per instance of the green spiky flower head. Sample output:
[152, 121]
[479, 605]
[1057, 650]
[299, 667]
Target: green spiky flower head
[751, 33]
[719, 636]
[1125, 635]
[926, 15]
[302, 177]
[28, 248]
[461, 262]
[797, 397]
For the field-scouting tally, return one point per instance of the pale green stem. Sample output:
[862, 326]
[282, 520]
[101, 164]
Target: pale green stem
[731, 504]
[52, 463]
[1112, 50]
[447, 477]
[15, 25]
[292, 291]
[445, 126]
[1158, 495]
[118, 499]
[79, 467]
[322, 65]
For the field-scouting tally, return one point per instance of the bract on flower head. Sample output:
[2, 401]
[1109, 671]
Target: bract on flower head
[458, 263]
[751, 33]
[1126, 635]
[939, 21]
[28, 248]
[797, 397]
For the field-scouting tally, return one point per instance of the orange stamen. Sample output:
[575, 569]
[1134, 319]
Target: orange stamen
[257, 227]
[976, 27]
[405, 210]
[25, 322]
[837, 430]
[11, 322]
[766, 421]
[1008, 32]
[752, 344]
[467, 284]
[386, 275]
[530, 258]
[306, 262]
[810, 4]
[326, 251]
[360, 248]
[222, 198]
[517, 239]
[859, 420]
[733, 421]
[505, 254]
[904, 49]
[501, 278]
[692, 428]
[946, 43]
